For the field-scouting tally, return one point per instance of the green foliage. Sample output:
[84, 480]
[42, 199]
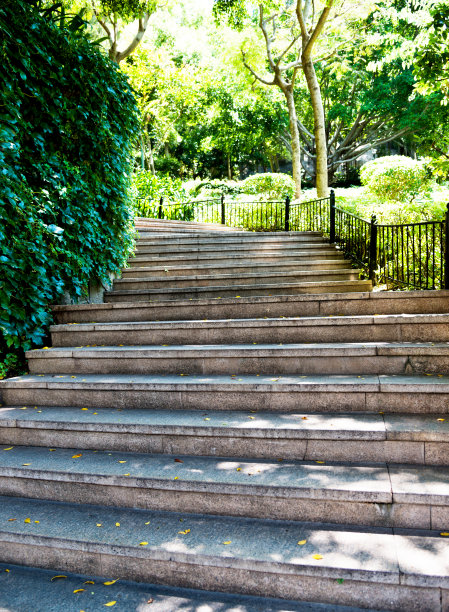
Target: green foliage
[396, 178]
[270, 185]
[67, 118]
[152, 187]
[215, 188]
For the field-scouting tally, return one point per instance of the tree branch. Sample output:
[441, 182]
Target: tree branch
[255, 75]
[143, 23]
[318, 28]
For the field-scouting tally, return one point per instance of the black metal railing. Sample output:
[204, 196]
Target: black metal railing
[407, 256]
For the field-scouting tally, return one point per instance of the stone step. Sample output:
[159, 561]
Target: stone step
[225, 258]
[219, 291]
[261, 240]
[167, 224]
[241, 247]
[380, 328]
[403, 570]
[236, 278]
[280, 268]
[379, 495]
[351, 437]
[306, 393]
[247, 307]
[19, 585]
[310, 358]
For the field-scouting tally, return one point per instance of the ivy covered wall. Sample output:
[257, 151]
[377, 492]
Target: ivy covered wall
[67, 121]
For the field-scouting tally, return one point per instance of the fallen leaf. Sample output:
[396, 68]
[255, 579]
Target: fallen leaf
[99, 524]
[147, 523]
[317, 557]
[122, 461]
[76, 456]
[151, 600]
[304, 418]
[10, 448]
[239, 469]
[109, 582]
[319, 462]
[176, 478]
[89, 582]
[57, 577]
[178, 461]
[7, 571]
[26, 463]
[52, 449]
[302, 542]
[37, 522]
[206, 419]
[143, 544]
[79, 590]
[27, 520]
[184, 532]
[12, 520]
[445, 534]
[117, 524]
[440, 420]
[110, 604]
[84, 408]
[252, 418]
[227, 542]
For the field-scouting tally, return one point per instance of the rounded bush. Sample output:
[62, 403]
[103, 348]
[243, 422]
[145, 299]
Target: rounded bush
[273, 185]
[396, 178]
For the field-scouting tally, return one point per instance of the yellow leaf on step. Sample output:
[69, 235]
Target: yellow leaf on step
[143, 544]
[317, 557]
[110, 604]
[184, 532]
[84, 408]
[319, 461]
[10, 448]
[99, 524]
[444, 534]
[26, 463]
[227, 542]
[122, 461]
[27, 520]
[77, 456]
[57, 577]
[12, 519]
[7, 571]
[147, 523]
[37, 522]
[109, 582]
[440, 420]
[79, 590]
[302, 542]
[89, 582]
[117, 524]
[239, 469]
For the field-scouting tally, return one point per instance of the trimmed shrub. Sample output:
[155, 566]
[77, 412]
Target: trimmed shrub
[270, 185]
[396, 178]
[68, 117]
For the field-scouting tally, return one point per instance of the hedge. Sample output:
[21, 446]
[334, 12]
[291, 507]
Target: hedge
[67, 120]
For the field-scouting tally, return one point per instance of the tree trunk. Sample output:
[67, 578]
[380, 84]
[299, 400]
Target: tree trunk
[229, 168]
[322, 186]
[296, 147]
[150, 155]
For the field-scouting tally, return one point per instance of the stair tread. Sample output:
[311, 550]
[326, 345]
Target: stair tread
[19, 586]
[293, 479]
[244, 423]
[266, 322]
[372, 555]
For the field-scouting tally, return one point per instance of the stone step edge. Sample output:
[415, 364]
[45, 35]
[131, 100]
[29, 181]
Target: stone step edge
[385, 427]
[277, 266]
[21, 584]
[265, 323]
[264, 350]
[331, 543]
[248, 287]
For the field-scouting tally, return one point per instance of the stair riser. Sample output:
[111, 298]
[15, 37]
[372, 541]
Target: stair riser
[369, 451]
[344, 364]
[159, 282]
[218, 248]
[304, 287]
[225, 260]
[269, 335]
[263, 240]
[222, 398]
[227, 500]
[280, 269]
[301, 584]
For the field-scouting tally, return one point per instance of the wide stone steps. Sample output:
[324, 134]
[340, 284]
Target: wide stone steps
[337, 358]
[235, 239]
[344, 281]
[163, 225]
[296, 560]
[279, 268]
[19, 585]
[382, 495]
[241, 247]
[307, 393]
[359, 437]
[230, 280]
[247, 307]
[379, 328]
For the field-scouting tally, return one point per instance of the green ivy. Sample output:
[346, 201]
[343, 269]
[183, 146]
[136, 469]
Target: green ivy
[67, 120]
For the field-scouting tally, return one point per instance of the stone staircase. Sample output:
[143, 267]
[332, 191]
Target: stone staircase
[243, 418]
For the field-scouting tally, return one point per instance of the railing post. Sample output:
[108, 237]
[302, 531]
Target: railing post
[446, 250]
[161, 201]
[332, 217]
[372, 265]
[223, 210]
[287, 214]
